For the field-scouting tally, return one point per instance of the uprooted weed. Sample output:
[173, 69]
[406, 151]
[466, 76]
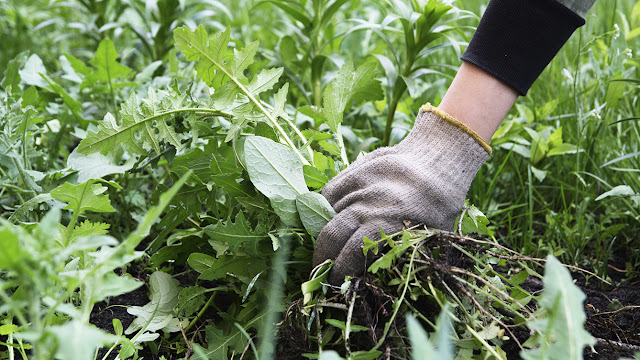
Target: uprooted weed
[420, 272]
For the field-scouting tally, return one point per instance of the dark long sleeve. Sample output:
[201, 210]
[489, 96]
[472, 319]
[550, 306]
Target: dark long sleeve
[516, 39]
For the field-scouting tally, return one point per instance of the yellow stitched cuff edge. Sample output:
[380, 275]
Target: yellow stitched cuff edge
[455, 122]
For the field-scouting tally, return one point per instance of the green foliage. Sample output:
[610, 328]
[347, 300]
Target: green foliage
[562, 333]
[210, 157]
[422, 347]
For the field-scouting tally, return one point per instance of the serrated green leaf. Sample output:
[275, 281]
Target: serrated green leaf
[279, 101]
[315, 212]
[196, 46]
[265, 80]
[235, 234]
[137, 132]
[106, 63]
[218, 344]
[87, 196]
[190, 300]
[276, 171]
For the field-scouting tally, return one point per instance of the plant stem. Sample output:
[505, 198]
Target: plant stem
[343, 151]
[201, 312]
[399, 301]
[398, 90]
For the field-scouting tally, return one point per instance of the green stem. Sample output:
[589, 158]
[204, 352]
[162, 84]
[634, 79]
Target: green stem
[399, 301]
[204, 308]
[343, 151]
[398, 90]
[303, 138]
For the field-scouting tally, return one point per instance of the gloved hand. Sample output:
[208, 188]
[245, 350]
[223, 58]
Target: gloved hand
[423, 179]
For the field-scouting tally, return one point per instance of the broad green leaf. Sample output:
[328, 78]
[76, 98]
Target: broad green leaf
[314, 178]
[243, 268]
[315, 211]
[79, 341]
[620, 190]
[235, 234]
[190, 300]
[563, 149]
[88, 196]
[350, 85]
[8, 329]
[158, 313]
[330, 147]
[109, 285]
[562, 330]
[200, 262]
[96, 166]
[276, 171]
[106, 63]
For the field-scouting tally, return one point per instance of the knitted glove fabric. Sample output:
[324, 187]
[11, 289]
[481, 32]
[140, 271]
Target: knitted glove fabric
[423, 179]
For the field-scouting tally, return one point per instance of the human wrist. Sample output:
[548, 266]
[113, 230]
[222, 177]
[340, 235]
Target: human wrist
[479, 100]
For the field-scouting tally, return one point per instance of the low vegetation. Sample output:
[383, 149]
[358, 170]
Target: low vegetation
[161, 164]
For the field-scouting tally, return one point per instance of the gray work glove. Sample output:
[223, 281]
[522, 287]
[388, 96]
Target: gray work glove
[424, 179]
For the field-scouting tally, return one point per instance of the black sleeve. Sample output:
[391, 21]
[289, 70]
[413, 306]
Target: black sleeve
[516, 39]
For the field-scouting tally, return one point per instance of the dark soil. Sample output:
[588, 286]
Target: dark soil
[613, 316]
[613, 313]
[104, 313]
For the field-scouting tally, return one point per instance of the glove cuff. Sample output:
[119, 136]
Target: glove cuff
[455, 122]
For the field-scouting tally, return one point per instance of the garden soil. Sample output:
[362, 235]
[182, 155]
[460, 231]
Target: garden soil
[613, 317]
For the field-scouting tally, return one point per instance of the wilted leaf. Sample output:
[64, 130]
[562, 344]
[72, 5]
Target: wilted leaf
[158, 313]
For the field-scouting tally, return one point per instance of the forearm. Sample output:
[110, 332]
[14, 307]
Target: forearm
[478, 99]
[514, 42]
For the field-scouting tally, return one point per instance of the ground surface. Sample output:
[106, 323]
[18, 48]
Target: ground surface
[613, 317]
